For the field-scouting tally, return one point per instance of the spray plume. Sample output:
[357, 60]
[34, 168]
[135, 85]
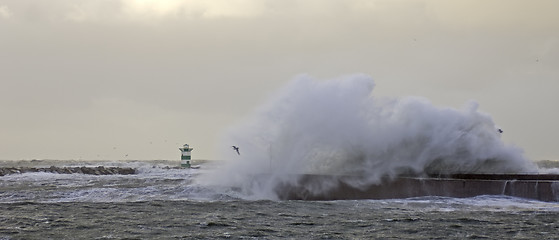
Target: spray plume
[337, 127]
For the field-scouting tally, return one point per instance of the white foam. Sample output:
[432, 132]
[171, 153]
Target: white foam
[151, 182]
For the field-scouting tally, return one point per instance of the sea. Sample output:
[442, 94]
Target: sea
[162, 201]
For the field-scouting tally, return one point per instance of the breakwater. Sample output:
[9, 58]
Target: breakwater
[530, 186]
[100, 170]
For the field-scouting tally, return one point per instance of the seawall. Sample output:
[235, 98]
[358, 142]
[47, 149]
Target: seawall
[538, 187]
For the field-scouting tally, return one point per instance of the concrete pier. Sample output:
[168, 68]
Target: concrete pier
[530, 186]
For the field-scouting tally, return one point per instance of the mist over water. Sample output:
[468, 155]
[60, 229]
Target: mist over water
[339, 127]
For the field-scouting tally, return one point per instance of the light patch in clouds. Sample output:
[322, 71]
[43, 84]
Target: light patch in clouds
[191, 8]
[111, 11]
[153, 10]
[5, 12]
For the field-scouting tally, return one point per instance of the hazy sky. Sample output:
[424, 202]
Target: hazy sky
[99, 79]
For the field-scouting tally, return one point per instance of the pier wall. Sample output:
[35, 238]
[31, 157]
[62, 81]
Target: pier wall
[545, 189]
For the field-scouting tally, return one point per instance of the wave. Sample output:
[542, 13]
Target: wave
[338, 127]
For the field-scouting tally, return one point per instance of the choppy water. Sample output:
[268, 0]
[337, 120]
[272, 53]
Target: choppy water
[161, 203]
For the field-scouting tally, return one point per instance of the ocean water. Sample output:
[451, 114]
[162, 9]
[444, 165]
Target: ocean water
[160, 202]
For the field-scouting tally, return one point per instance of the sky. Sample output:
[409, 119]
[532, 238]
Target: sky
[136, 79]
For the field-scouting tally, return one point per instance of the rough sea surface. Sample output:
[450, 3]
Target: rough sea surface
[160, 202]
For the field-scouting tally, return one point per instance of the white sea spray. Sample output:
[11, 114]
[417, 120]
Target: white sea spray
[339, 127]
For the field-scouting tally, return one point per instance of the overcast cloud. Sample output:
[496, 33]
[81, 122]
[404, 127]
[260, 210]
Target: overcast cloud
[99, 79]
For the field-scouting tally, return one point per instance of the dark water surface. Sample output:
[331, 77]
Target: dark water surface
[164, 203]
[404, 219]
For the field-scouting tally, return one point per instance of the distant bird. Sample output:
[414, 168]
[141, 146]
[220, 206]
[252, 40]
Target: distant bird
[500, 130]
[236, 149]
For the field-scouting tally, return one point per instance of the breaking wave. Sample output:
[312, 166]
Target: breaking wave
[339, 127]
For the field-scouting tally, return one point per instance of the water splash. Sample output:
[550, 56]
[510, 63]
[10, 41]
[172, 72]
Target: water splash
[339, 127]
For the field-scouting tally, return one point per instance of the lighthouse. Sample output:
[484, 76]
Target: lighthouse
[185, 156]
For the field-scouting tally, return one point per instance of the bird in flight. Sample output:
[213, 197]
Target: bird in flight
[236, 149]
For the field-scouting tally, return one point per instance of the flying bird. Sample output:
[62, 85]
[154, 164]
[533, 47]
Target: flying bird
[236, 149]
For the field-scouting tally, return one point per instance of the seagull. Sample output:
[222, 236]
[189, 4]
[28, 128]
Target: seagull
[236, 149]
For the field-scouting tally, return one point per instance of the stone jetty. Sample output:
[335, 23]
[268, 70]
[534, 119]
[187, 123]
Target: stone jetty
[100, 170]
